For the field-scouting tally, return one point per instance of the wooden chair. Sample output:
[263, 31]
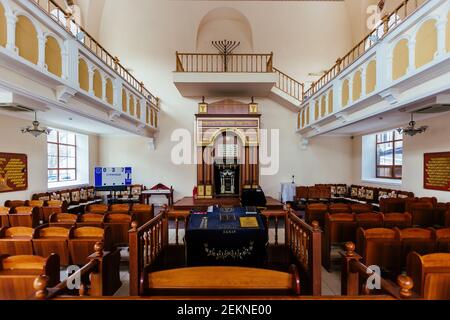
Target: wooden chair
[64, 220]
[50, 210]
[83, 239]
[388, 205]
[422, 241]
[18, 273]
[220, 281]
[52, 240]
[136, 192]
[119, 208]
[16, 241]
[443, 240]
[380, 247]
[91, 220]
[369, 220]
[422, 213]
[399, 220]
[441, 211]
[316, 212]
[4, 217]
[339, 208]
[361, 208]
[430, 274]
[142, 213]
[97, 208]
[24, 217]
[120, 224]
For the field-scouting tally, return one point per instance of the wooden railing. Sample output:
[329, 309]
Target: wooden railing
[276, 217]
[353, 271]
[66, 21]
[304, 242]
[389, 22]
[289, 85]
[102, 271]
[210, 62]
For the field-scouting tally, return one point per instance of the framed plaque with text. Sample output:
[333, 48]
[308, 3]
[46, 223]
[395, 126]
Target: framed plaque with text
[437, 171]
[13, 172]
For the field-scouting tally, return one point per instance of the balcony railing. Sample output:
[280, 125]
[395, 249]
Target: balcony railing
[66, 21]
[240, 63]
[289, 85]
[389, 22]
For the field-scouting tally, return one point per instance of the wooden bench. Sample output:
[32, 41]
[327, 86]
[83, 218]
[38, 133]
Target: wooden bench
[48, 240]
[120, 224]
[4, 217]
[83, 239]
[24, 217]
[18, 273]
[220, 281]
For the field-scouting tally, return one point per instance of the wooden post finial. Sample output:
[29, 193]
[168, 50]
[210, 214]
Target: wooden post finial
[134, 226]
[83, 291]
[40, 286]
[98, 248]
[350, 249]
[315, 225]
[406, 284]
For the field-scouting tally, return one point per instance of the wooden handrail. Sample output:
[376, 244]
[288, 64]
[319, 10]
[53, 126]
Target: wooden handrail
[289, 85]
[216, 62]
[353, 270]
[366, 43]
[94, 46]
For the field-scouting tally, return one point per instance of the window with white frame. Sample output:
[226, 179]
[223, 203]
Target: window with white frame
[67, 158]
[389, 151]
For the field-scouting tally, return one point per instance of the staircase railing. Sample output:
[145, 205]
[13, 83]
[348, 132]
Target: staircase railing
[388, 23]
[289, 85]
[215, 62]
[67, 21]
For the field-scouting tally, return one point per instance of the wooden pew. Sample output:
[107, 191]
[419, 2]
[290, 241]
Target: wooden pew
[119, 208]
[53, 206]
[12, 204]
[430, 274]
[24, 217]
[97, 208]
[64, 220]
[48, 240]
[220, 281]
[399, 220]
[316, 212]
[358, 208]
[83, 239]
[18, 273]
[4, 217]
[142, 213]
[337, 208]
[16, 241]
[91, 220]
[443, 240]
[423, 241]
[119, 224]
[36, 204]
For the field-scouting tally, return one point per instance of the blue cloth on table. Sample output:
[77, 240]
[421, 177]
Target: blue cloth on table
[225, 242]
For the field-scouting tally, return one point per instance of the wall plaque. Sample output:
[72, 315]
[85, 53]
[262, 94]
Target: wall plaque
[437, 171]
[13, 172]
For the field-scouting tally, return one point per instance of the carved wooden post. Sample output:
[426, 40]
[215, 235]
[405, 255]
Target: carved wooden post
[338, 64]
[385, 20]
[165, 226]
[349, 279]
[406, 284]
[316, 258]
[83, 291]
[179, 63]
[40, 287]
[96, 277]
[116, 63]
[135, 258]
[270, 63]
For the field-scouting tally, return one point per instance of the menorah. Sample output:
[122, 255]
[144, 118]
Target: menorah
[225, 48]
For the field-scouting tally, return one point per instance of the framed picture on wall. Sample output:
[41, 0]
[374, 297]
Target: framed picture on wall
[13, 172]
[437, 171]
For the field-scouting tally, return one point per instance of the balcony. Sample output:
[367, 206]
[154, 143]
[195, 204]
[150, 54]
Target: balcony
[400, 66]
[48, 59]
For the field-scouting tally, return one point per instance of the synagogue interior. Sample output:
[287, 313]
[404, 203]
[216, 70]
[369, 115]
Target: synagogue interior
[154, 149]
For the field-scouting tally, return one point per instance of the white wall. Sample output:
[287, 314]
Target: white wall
[436, 139]
[13, 141]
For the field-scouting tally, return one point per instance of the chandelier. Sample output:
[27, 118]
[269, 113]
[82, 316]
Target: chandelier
[411, 130]
[34, 129]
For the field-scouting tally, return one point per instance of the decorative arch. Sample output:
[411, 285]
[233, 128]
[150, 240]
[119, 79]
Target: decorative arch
[323, 105]
[371, 76]
[3, 26]
[27, 42]
[98, 84]
[330, 102]
[53, 57]
[124, 100]
[357, 84]
[400, 59]
[83, 74]
[131, 105]
[109, 91]
[426, 43]
[345, 93]
[224, 23]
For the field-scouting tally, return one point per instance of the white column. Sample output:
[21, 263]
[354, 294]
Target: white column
[412, 54]
[11, 21]
[337, 95]
[117, 87]
[441, 37]
[326, 103]
[41, 51]
[91, 80]
[350, 91]
[143, 107]
[70, 62]
[103, 87]
[384, 60]
[363, 81]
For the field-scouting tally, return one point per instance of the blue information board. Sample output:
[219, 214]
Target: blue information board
[110, 177]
